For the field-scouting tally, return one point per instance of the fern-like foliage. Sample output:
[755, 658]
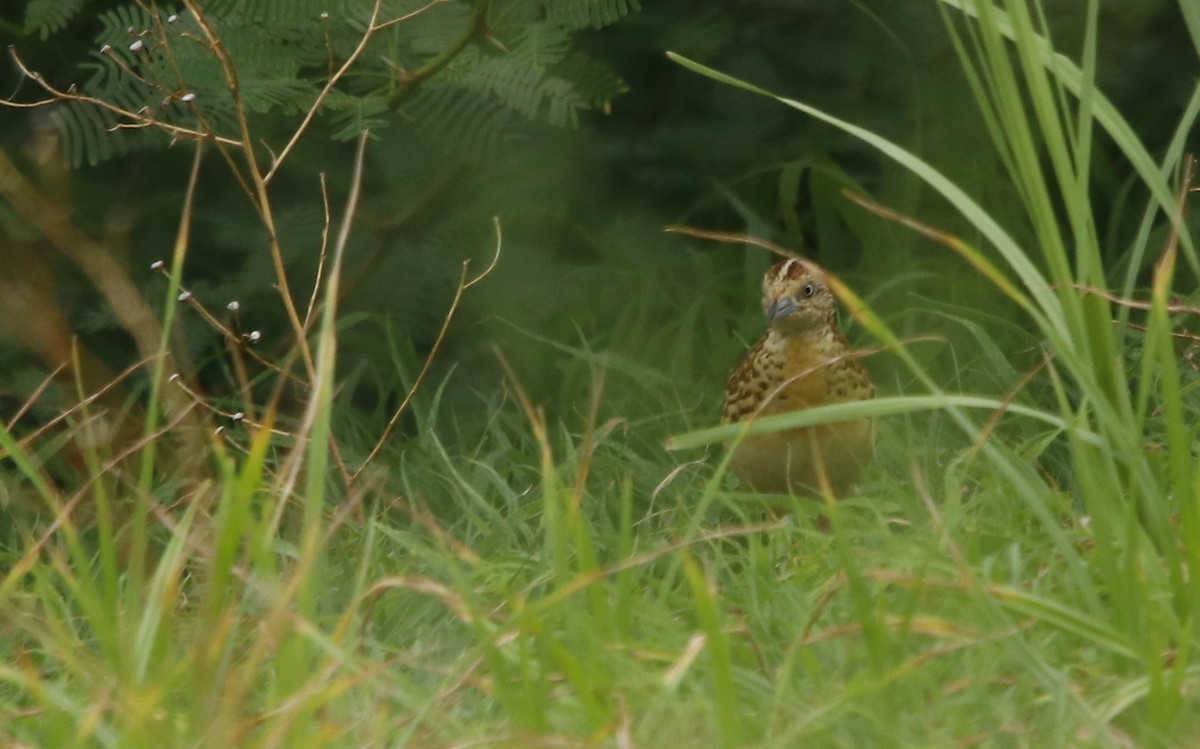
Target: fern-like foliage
[270, 11]
[578, 14]
[464, 70]
[46, 17]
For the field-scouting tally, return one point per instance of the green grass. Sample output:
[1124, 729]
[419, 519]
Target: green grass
[1019, 569]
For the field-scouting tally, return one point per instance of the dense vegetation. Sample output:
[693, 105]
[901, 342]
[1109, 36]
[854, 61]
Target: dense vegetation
[354, 395]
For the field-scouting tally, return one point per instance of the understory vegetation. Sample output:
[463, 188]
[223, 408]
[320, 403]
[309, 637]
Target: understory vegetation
[361, 364]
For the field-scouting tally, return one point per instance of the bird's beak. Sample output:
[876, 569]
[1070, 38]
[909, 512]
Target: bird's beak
[779, 308]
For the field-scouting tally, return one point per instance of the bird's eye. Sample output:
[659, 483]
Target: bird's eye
[809, 290]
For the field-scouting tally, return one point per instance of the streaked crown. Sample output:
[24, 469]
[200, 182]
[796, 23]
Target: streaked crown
[796, 296]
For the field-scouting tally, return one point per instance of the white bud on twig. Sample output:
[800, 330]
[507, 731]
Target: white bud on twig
[189, 96]
[106, 49]
[137, 46]
[233, 306]
[156, 265]
[172, 18]
[184, 296]
[174, 376]
[218, 430]
[238, 416]
[254, 336]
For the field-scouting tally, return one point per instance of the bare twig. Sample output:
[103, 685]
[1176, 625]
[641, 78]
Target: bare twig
[495, 256]
[534, 414]
[723, 236]
[372, 27]
[262, 198]
[291, 471]
[138, 119]
[1174, 309]
[770, 397]
[1165, 267]
[29, 439]
[235, 339]
[198, 401]
[463, 284]
[33, 398]
[1178, 334]
[312, 300]
[1000, 411]
[977, 261]
[588, 446]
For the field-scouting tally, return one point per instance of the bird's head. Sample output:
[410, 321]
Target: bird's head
[796, 297]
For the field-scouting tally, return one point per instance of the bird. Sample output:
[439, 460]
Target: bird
[802, 360]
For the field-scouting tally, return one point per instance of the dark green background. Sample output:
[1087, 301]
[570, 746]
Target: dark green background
[587, 278]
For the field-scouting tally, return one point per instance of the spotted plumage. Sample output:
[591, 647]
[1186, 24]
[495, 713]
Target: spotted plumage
[801, 361]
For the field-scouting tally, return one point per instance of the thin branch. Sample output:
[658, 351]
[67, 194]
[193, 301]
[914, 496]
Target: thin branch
[222, 148]
[1174, 309]
[1165, 267]
[1179, 335]
[993, 422]
[136, 119]
[722, 236]
[463, 285]
[33, 398]
[770, 397]
[478, 27]
[236, 417]
[495, 256]
[372, 27]
[312, 300]
[262, 197]
[29, 439]
[239, 340]
[387, 229]
[291, 471]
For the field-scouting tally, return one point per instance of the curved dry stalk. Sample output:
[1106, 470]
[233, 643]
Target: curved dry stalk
[312, 299]
[291, 468]
[463, 284]
[725, 236]
[1108, 296]
[29, 439]
[42, 387]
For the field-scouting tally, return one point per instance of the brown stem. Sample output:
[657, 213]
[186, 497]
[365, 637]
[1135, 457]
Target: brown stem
[262, 196]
